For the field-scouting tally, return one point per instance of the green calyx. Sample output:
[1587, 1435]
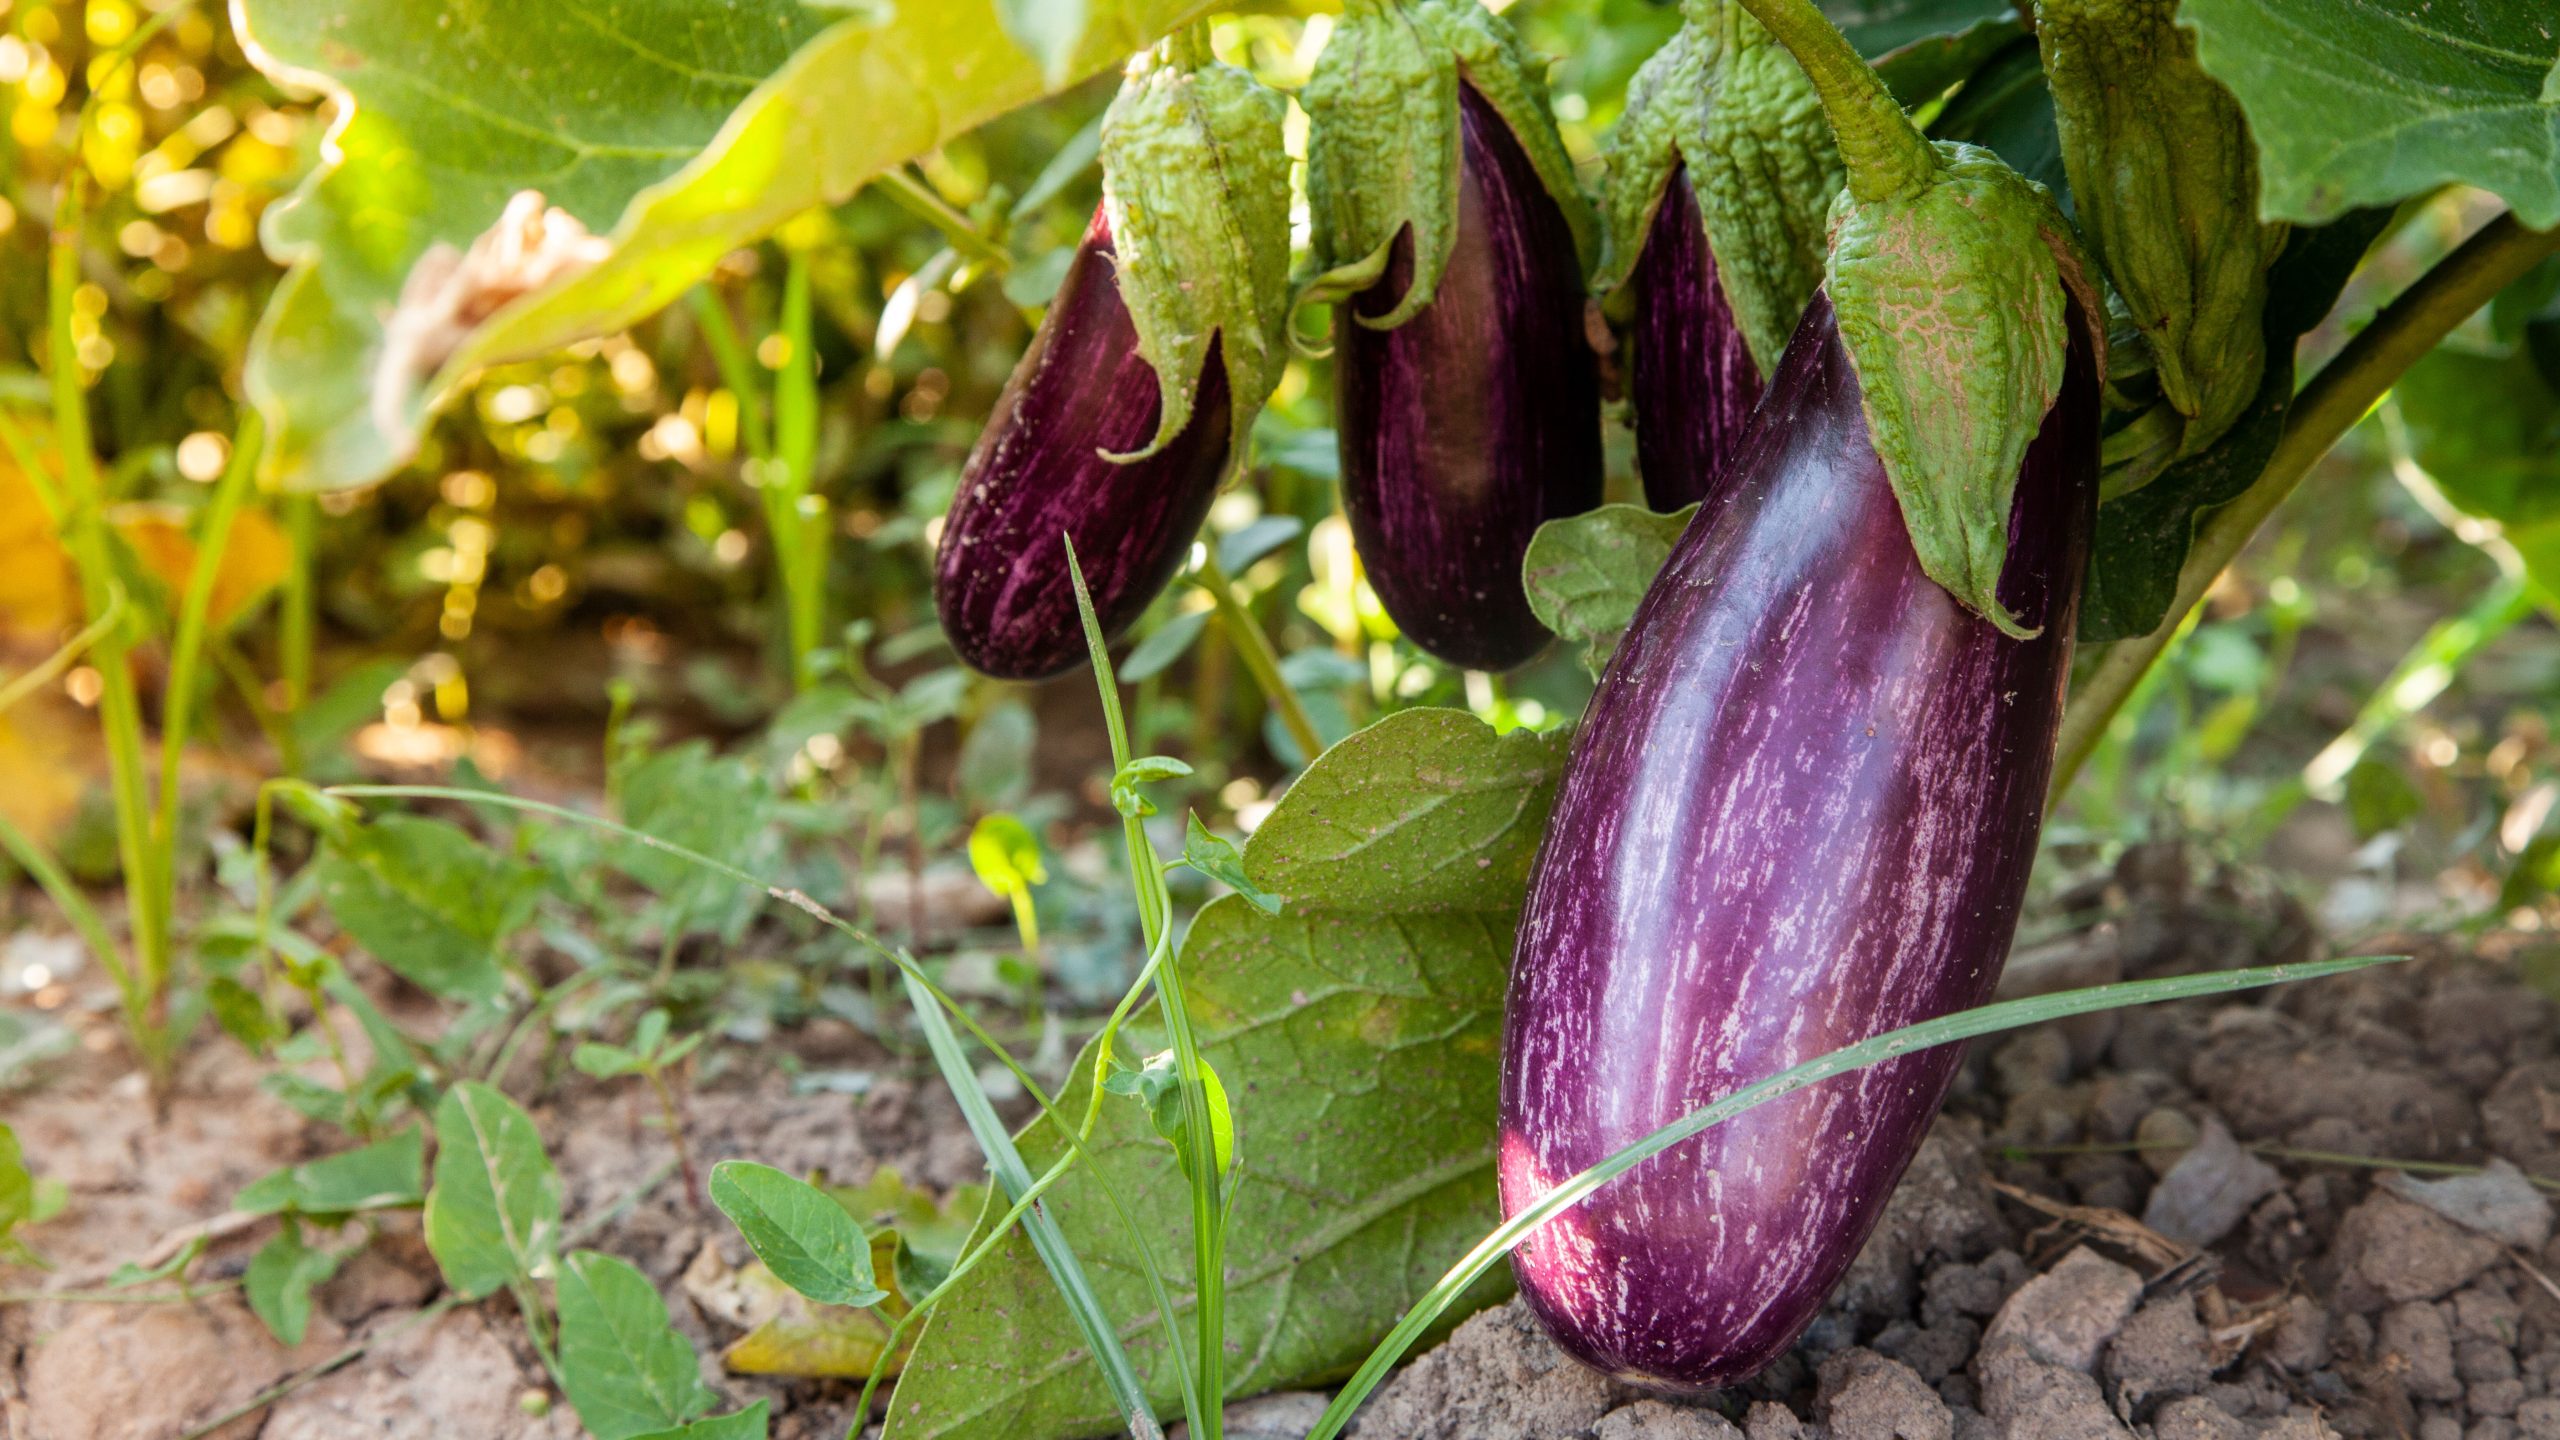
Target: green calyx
[1725, 100]
[2165, 179]
[1952, 302]
[1195, 182]
[1384, 140]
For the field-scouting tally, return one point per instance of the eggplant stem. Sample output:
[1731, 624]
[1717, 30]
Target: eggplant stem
[2495, 256]
[1886, 155]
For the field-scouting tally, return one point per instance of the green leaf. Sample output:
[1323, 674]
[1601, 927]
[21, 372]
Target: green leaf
[716, 805]
[748, 1424]
[1585, 573]
[1885, 29]
[2005, 108]
[605, 1062]
[1950, 303]
[129, 1275]
[493, 1218]
[428, 900]
[1164, 645]
[1217, 857]
[2143, 536]
[17, 1190]
[241, 1013]
[700, 131]
[626, 1369]
[1006, 855]
[279, 1281]
[1127, 798]
[2368, 102]
[798, 1231]
[1238, 549]
[1359, 1036]
[1158, 1087]
[994, 768]
[1048, 31]
[2486, 428]
[385, 1175]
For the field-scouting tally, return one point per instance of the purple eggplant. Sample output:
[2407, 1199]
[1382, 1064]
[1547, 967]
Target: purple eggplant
[1801, 811]
[1690, 372]
[1472, 423]
[1042, 474]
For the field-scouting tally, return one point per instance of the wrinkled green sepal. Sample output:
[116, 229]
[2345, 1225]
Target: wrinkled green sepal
[1384, 140]
[2165, 179]
[1726, 100]
[1196, 185]
[1951, 297]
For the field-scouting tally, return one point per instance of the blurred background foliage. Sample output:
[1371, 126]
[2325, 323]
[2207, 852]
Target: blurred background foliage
[582, 538]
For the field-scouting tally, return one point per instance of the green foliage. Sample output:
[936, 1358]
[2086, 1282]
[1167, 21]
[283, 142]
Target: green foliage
[747, 1424]
[708, 131]
[1585, 573]
[648, 1053]
[493, 1218]
[279, 1281]
[712, 804]
[386, 1175]
[427, 900]
[1157, 1086]
[1217, 857]
[807, 1239]
[17, 1195]
[2487, 430]
[626, 1369]
[2367, 102]
[1368, 1013]
[2143, 537]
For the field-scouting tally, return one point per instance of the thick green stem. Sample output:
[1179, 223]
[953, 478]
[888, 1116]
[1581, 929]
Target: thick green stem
[2494, 258]
[1884, 153]
[296, 619]
[1254, 648]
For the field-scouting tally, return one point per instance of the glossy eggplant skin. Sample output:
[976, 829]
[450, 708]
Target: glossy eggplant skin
[1040, 472]
[1801, 811]
[1465, 428]
[1690, 372]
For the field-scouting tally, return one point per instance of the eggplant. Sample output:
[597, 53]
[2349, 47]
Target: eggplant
[1800, 811]
[1473, 422]
[1050, 468]
[1690, 373]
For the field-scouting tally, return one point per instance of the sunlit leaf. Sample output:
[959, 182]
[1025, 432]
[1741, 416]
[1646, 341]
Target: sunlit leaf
[801, 1234]
[626, 1369]
[493, 1218]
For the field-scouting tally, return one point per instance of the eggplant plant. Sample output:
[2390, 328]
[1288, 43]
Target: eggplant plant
[1466, 394]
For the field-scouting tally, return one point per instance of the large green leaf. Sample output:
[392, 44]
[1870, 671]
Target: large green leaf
[1358, 1032]
[682, 131]
[2367, 102]
[626, 1369]
[493, 1218]
[2487, 428]
[427, 900]
[2143, 537]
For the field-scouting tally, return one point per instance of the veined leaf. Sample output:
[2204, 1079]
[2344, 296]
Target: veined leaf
[798, 1231]
[493, 1218]
[694, 131]
[747, 1424]
[626, 1369]
[1585, 573]
[1368, 1014]
[279, 1282]
[384, 1175]
[2367, 102]
[428, 900]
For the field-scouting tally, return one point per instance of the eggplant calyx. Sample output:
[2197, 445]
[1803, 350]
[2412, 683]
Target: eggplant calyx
[1953, 302]
[1383, 154]
[1196, 191]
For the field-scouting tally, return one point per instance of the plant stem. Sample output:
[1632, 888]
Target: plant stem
[1254, 648]
[294, 620]
[2326, 409]
[798, 527]
[51, 667]
[920, 200]
[1884, 153]
[186, 650]
[119, 709]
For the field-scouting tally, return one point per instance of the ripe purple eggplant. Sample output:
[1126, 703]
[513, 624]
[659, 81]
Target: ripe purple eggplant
[1801, 811]
[1690, 373]
[1478, 419]
[1044, 470]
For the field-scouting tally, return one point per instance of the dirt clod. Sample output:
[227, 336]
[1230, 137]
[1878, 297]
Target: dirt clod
[1865, 1396]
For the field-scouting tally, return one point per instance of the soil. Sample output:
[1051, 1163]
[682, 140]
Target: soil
[2163, 1223]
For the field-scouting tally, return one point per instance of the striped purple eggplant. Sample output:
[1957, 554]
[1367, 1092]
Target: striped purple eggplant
[1800, 811]
[1690, 375]
[1042, 473]
[1477, 420]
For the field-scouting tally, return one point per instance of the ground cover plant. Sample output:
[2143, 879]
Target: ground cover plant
[1043, 718]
